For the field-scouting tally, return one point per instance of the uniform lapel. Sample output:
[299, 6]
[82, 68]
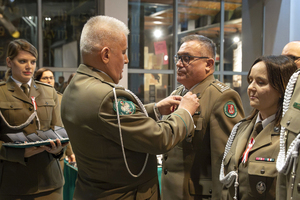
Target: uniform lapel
[243, 141]
[264, 137]
[34, 90]
[17, 91]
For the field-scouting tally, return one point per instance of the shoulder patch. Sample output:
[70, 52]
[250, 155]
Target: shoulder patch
[230, 109]
[220, 86]
[125, 107]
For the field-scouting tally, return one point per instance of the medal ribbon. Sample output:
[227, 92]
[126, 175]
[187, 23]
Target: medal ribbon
[246, 153]
[35, 111]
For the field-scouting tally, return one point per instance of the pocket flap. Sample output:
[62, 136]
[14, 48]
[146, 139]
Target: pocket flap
[291, 120]
[198, 122]
[262, 168]
[11, 105]
[45, 102]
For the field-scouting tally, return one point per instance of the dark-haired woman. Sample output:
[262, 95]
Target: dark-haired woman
[248, 167]
[33, 172]
[46, 76]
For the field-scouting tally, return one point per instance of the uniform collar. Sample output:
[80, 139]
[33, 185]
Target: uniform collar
[19, 83]
[266, 121]
[98, 74]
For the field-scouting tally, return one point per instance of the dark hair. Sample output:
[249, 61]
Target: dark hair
[13, 49]
[39, 73]
[70, 78]
[210, 47]
[279, 69]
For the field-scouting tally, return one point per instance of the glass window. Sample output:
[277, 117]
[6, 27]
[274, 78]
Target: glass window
[18, 19]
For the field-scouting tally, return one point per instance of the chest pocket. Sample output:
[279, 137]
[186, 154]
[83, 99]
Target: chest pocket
[13, 112]
[45, 108]
[291, 120]
[262, 179]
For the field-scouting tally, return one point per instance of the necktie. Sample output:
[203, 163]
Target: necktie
[24, 87]
[257, 129]
[184, 91]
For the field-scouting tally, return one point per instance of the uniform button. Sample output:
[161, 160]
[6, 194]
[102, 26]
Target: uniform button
[30, 108]
[165, 157]
[11, 106]
[210, 191]
[262, 171]
[288, 123]
[165, 171]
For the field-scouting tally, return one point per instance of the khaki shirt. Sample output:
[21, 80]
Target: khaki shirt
[41, 172]
[90, 118]
[191, 170]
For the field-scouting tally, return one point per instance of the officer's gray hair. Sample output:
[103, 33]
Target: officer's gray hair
[210, 47]
[100, 31]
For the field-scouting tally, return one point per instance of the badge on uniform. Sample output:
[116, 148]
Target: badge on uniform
[230, 109]
[125, 107]
[261, 187]
[296, 105]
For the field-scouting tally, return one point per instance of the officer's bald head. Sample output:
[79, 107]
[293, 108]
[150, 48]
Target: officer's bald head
[292, 50]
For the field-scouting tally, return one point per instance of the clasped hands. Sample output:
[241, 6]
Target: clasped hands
[54, 148]
[189, 101]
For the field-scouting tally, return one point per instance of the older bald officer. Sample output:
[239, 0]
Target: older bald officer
[113, 138]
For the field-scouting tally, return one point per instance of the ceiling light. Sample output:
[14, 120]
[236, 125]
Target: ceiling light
[236, 39]
[157, 33]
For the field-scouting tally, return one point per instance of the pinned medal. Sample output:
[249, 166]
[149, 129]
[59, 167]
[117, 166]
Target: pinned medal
[261, 187]
[125, 107]
[230, 109]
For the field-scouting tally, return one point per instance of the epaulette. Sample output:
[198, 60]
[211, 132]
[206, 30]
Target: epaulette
[220, 86]
[46, 84]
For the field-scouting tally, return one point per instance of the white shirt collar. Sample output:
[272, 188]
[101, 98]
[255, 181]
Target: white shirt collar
[266, 121]
[19, 83]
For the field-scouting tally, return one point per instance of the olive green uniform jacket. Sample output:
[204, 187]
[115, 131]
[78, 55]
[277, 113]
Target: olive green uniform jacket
[257, 178]
[90, 118]
[191, 170]
[291, 122]
[42, 171]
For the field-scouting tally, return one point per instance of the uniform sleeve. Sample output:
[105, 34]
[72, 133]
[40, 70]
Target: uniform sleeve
[222, 120]
[56, 118]
[141, 133]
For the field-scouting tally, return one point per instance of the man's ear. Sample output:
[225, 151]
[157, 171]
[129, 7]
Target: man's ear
[210, 65]
[8, 62]
[105, 54]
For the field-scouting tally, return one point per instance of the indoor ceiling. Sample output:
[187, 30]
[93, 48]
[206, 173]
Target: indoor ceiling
[205, 13]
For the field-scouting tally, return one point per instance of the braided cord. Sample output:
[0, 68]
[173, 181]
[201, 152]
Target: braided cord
[284, 161]
[121, 137]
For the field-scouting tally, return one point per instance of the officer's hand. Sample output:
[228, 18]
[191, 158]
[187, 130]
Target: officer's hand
[189, 102]
[30, 151]
[167, 105]
[56, 148]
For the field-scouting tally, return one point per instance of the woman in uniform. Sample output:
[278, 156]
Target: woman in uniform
[249, 158]
[46, 76]
[27, 106]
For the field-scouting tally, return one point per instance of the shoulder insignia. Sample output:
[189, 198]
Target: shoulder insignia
[125, 107]
[230, 109]
[220, 86]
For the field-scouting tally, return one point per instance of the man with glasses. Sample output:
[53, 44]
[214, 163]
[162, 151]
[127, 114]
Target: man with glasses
[288, 162]
[292, 50]
[191, 169]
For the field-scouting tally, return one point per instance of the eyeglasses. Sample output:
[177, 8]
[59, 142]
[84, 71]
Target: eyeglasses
[294, 58]
[46, 78]
[185, 59]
